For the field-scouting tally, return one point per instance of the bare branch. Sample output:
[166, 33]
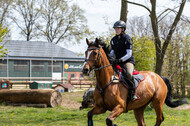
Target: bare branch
[171, 10]
[173, 27]
[5, 9]
[28, 15]
[14, 20]
[62, 21]
[139, 5]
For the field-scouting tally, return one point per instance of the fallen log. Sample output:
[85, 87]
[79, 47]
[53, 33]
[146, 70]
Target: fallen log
[50, 97]
[26, 105]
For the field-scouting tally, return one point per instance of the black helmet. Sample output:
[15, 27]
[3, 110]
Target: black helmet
[119, 24]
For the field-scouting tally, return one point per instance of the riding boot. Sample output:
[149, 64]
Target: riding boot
[134, 97]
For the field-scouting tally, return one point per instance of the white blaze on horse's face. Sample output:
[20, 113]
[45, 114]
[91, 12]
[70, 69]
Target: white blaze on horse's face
[89, 52]
[85, 68]
[88, 55]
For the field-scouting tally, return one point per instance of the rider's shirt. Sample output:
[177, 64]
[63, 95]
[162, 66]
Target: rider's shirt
[122, 48]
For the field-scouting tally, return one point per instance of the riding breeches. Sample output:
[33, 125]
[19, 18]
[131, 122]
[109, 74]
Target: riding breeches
[129, 67]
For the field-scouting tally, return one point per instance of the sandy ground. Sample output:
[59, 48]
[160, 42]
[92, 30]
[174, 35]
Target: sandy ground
[73, 99]
[183, 107]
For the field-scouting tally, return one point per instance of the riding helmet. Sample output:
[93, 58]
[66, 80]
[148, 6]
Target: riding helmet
[119, 24]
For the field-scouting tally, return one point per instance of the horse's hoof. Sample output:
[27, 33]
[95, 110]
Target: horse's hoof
[90, 123]
[109, 122]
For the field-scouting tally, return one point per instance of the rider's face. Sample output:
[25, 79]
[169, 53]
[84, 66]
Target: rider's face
[118, 31]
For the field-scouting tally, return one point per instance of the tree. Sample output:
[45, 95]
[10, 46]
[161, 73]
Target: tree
[161, 48]
[3, 32]
[59, 21]
[143, 46]
[4, 10]
[28, 13]
[177, 65]
[139, 27]
[144, 54]
[123, 15]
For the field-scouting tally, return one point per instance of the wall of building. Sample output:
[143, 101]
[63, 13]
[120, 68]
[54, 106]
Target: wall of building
[72, 70]
[40, 68]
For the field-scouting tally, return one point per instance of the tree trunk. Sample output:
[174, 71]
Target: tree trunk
[160, 50]
[123, 15]
[159, 64]
[157, 41]
[50, 97]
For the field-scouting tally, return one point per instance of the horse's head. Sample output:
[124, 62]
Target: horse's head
[92, 56]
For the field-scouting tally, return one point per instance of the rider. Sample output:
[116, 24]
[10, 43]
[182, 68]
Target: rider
[121, 49]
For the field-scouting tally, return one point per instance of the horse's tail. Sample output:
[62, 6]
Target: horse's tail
[169, 102]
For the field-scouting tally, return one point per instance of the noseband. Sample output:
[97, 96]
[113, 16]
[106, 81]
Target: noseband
[94, 66]
[86, 60]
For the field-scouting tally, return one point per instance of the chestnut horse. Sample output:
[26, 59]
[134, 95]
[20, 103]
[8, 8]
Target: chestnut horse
[113, 96]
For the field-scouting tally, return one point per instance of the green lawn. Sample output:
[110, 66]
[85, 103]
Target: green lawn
[69, 116]
[23, 116]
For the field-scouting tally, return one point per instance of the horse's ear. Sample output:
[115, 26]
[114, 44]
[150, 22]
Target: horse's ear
[97, 41]
[87, 42]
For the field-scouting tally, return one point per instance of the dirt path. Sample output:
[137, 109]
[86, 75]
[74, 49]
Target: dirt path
[73, 99]
[183, 107]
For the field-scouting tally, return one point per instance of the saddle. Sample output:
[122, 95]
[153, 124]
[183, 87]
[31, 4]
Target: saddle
[122, 77]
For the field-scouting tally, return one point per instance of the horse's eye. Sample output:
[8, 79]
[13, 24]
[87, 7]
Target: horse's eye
[95, 53]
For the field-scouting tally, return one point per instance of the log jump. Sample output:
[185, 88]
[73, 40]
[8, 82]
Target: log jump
[50, 97]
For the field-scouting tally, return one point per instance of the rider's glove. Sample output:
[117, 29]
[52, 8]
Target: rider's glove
[115, 61]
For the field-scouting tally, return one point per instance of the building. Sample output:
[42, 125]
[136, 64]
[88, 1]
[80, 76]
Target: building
[64, 88]
[39, 59]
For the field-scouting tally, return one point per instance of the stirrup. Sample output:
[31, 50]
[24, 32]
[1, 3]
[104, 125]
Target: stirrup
[134, 98]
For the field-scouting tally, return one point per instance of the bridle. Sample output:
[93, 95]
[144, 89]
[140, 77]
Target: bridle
[100, 89]
[96, 60]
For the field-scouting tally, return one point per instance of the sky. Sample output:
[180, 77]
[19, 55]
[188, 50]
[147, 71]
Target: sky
[98, 12]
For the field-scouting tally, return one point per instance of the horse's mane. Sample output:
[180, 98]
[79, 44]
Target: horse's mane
[105, 46]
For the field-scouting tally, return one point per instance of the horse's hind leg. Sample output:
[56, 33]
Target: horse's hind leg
[96, 110]
[139, 115]
[158, 106]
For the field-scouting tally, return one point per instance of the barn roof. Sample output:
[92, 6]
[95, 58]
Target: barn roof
[69, 86]
[17, 48]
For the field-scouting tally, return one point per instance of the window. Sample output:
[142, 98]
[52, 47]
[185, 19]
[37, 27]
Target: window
[38, 66]
[56, 66]
[81, 75]
[72, 76]
[49, 66]
[3, 65]
[20, 65]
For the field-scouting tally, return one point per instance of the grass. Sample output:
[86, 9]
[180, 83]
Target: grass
[62, 116]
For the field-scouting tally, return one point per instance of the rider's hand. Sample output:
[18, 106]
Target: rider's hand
[115, 61]
[120, 60]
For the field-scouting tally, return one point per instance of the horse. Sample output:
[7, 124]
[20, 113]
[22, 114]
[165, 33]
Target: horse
[113, 96]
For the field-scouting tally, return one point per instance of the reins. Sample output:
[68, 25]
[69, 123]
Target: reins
[101, 90]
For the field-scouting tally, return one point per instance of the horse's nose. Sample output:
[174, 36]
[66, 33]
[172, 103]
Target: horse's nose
[85, 71]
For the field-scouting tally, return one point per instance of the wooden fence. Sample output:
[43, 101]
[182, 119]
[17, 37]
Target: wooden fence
[24, 82]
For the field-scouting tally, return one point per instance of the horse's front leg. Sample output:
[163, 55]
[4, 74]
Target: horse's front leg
[95, 111]
[118, 110]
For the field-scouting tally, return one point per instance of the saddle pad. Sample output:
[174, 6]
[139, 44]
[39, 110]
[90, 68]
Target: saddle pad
[137, 79]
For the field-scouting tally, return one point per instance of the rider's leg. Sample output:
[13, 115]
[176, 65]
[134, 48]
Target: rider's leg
[129, 67]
